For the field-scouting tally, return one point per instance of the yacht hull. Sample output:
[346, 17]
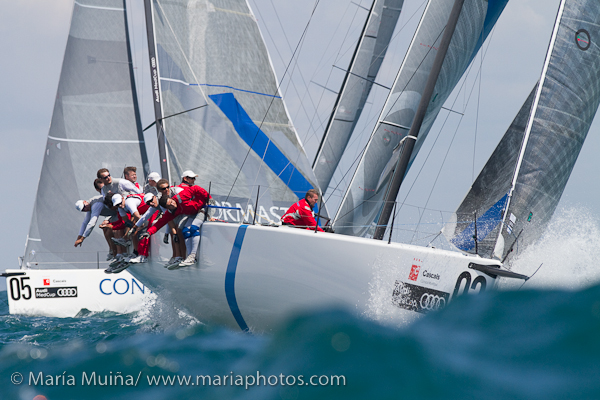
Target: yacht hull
[251, 277]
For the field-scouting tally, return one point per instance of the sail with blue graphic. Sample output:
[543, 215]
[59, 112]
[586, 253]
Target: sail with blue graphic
[532, 163]
[223, 115]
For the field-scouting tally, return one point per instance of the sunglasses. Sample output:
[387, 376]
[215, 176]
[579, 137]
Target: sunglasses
[191, 177]
[163, 188]
[105, 177]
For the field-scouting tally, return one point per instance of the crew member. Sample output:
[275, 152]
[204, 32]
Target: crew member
[301, 214]
[150, 187]
[93, 208]
[110, 185]
[188, 178]
[187, 202]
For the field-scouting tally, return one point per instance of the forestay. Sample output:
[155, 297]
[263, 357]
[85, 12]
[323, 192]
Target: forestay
[365, 64]
[363, 200]
[95, 124]
[518, 189]
[211, 55]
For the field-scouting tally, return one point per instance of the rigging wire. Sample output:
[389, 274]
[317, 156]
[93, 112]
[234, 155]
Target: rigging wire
[478, 76]
[371, 119]
[375, 129]
[337, 57]
[302, 107]
[272, 100]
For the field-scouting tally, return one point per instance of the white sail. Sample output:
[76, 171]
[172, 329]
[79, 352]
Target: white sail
[359, 79]
[212, 60]
[363, 199]
[95, 124]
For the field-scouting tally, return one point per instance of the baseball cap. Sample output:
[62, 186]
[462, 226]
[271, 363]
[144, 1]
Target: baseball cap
[79, 204]
[117, 199]
[189, 173]
[154, 176]
[148, 197]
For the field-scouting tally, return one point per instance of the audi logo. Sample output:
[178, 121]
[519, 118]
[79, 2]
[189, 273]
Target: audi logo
[67, 292]
[432, 302]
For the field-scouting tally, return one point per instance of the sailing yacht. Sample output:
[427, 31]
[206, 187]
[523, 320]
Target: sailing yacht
[95, 124]
[233, 128]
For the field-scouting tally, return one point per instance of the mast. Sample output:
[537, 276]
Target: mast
[136, 107]
[158, 110]
[402, 165]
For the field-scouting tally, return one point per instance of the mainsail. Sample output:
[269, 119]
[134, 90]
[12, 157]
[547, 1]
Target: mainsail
[95, 124]
[361, 74]
[516, 193]
[222, 112]
[363, 199]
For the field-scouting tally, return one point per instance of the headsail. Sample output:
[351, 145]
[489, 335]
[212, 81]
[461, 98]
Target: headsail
[95, 124]
[213, 61]
[527, 173]
[365, 64]
[363, 199]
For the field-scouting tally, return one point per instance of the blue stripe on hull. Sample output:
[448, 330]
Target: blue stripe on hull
[230, 278]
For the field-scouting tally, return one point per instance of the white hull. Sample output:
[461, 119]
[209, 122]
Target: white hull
[251, 277]
[65, 292]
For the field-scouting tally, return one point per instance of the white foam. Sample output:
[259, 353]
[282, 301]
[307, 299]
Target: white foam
[569, 253]
[161, 314]
[380, 307]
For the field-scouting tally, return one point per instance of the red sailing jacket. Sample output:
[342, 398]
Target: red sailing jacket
[189, 202]
[300, 214]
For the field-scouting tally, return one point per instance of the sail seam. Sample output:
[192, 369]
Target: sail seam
[99, 8]
[93, 140]
[221, 86]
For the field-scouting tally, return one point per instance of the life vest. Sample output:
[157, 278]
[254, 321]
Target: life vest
[300, 214]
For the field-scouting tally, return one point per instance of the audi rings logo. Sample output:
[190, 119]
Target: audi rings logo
[418, 298]
[432, 302]
[67, 292]
[55, 292]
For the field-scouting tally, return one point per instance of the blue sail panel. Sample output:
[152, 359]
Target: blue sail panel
[485, 225]
[260, 143]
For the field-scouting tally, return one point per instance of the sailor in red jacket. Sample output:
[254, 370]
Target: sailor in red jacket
[188, 179]
[187, 202]
[300, 214]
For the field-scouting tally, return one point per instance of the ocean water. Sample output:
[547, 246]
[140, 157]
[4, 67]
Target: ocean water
[541, 341]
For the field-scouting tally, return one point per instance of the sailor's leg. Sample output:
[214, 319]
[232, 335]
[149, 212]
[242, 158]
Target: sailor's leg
[191, 232]
[108, 233]
[174, 239]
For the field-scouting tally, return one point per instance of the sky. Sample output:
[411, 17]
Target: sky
[33, 39]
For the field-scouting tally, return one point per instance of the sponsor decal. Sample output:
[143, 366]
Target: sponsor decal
[431, 275]
[121, 286]
[417, 298]
[414, 270]
[46, 281]
[55, 292]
